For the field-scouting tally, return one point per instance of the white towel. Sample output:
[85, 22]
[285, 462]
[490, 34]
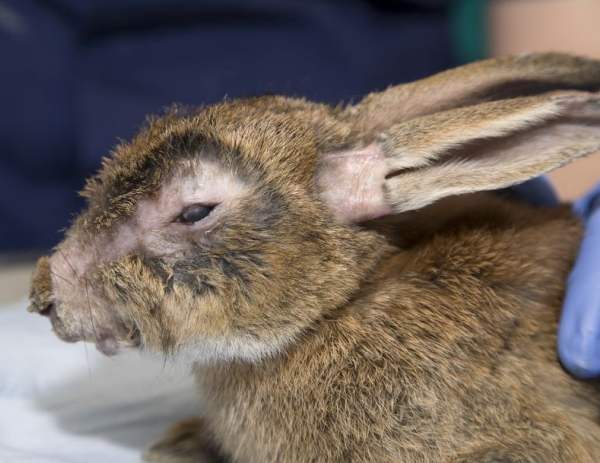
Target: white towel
[64, 402]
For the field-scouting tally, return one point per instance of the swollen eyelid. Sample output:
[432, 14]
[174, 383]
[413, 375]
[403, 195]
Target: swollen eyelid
[194, 213]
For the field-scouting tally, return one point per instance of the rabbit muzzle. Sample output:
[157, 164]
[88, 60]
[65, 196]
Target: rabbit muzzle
[63, 291]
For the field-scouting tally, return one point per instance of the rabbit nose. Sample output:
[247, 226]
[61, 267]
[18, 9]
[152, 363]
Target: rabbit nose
[41, 294]
[49, 310]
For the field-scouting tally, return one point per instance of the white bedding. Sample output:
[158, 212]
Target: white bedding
[64, 402]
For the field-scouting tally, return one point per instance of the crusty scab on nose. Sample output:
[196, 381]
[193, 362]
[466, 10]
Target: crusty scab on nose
[40, 295]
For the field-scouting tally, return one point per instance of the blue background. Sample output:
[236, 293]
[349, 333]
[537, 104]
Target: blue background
[77, 75]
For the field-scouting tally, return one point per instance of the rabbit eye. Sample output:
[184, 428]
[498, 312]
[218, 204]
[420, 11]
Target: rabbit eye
[194, 213]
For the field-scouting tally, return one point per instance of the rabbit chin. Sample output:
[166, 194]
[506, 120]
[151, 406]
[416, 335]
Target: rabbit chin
[221, 350]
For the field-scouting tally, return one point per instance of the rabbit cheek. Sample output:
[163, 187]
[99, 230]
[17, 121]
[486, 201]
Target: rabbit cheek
[201, 308]
[163, 298]
[191, 275]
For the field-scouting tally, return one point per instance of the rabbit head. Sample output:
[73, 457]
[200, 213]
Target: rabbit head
[226, 232]
[203, 235]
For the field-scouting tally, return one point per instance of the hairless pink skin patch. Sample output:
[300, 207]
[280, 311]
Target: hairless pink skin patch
[351, 184]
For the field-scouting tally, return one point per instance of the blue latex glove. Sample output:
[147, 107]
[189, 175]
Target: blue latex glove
[579, 331]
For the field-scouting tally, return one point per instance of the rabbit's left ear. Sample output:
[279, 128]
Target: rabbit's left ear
[475, 148]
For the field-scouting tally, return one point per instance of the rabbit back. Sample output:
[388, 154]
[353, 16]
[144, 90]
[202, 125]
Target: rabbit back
[448, 350]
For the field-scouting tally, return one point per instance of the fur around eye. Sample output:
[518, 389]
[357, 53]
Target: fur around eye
[194, 213]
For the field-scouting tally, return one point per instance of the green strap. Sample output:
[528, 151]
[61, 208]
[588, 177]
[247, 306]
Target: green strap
[468, 23]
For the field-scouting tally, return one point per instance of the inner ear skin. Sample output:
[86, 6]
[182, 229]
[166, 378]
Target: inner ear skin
[351, 183]
[488, 80]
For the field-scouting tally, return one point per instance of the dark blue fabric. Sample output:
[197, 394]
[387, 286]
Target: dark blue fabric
[77, 75]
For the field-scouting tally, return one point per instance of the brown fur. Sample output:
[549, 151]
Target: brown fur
[422, 337]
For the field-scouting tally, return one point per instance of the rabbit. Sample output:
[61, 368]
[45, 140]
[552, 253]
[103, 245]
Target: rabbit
[345, 283]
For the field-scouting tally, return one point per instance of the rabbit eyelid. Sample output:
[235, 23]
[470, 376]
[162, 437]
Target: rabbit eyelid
[151, 228]
[194, 182]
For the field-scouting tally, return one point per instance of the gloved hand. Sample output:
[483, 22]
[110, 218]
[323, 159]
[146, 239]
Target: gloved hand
[579, 331]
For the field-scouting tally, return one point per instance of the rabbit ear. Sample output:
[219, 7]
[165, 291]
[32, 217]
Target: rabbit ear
[490, 80]
[482, 147]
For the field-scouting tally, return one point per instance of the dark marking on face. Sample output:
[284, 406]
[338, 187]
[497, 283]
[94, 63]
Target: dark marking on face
[192, 273]
[195, 282]
[189, 272]
[231, 269]
[185, 143]
[160, 270]
[115, 191]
